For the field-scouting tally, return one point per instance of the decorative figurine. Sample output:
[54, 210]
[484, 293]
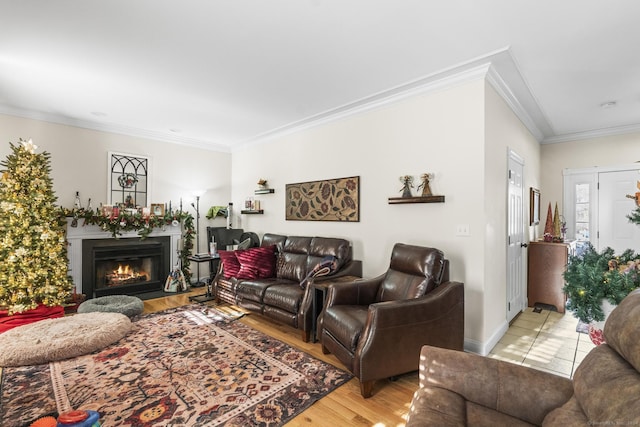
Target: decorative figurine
[636, 196]
[426, 189]
[262, 184]
[76, 203]
[407, 185]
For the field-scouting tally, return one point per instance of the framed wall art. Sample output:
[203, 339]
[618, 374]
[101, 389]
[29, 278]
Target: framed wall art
[327, 200]
[534, 206]
[128, 180]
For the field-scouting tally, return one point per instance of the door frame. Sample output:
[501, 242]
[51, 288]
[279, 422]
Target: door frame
[520, 218]
[568, 196]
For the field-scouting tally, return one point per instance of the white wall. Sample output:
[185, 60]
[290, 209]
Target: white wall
[504, 131]
[447, 133]
[606, 151]
[441, 132]
[79, 163]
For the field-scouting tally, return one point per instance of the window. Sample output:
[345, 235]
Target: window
[582, 204]
[579, 202]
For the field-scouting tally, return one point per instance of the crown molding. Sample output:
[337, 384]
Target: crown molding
[497, 67]
[497, 82]
[114, 128]
[596, 133]
[381, 99]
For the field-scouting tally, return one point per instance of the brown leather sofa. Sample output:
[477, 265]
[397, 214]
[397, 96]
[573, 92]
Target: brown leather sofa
[376, 327]
[281, 297]
[462, 389]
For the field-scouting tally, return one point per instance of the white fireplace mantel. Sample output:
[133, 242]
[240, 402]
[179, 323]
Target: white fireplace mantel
[75, 236]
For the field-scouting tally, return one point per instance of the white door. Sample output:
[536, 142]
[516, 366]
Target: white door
[614, 229]
[516, 285]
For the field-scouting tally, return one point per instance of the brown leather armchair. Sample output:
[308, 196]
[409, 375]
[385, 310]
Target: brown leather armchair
[376, 327]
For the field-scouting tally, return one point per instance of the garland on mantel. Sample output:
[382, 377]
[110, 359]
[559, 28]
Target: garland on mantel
[144, 225]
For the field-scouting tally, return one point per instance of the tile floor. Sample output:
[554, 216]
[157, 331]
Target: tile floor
[547, 341]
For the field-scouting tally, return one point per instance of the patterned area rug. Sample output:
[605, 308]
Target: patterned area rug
[188, 366]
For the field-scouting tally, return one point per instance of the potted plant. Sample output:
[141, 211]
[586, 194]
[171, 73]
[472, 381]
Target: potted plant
[594, 280]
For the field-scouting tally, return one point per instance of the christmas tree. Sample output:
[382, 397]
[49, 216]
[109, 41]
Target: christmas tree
[33, 267]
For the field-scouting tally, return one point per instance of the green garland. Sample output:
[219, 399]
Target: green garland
[592, 277]
[634, 216]
[125, 221]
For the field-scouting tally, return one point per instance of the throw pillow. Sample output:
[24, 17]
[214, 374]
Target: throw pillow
[257, 263]
[328, 265]
[248, 271]
[245, 244]
[230, 263]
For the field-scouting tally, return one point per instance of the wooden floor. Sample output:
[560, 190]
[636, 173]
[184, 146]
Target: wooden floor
[343, 407]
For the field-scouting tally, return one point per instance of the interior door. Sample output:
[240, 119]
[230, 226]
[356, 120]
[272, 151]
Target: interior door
[516, 285]
[614, 229]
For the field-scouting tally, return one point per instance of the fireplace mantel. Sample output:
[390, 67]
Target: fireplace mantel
[75, 236]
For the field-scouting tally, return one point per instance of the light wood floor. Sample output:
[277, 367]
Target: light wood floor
[343, 407]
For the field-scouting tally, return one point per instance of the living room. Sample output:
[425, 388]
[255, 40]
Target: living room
[459, 126]
[79, 163]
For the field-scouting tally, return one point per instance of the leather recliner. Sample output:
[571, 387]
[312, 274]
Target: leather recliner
[376, 327]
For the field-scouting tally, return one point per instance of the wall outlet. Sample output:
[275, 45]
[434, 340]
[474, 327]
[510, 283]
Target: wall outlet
[462, 230]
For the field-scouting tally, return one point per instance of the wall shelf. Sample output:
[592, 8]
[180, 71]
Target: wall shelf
[250, 212]
[420, 199]
[264, 191]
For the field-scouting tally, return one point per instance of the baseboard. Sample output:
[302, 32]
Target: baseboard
[484, 348]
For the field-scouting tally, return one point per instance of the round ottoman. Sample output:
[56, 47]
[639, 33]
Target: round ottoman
[125, 304]
[62, 338]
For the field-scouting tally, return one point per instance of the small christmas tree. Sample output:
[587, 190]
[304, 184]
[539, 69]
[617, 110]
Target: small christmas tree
[33, 269]
[557, 233]
[548, 226]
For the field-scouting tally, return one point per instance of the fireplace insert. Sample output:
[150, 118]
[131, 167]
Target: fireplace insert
[124, 266]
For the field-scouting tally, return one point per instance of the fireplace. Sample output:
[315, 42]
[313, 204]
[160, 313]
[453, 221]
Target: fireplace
[124, 266]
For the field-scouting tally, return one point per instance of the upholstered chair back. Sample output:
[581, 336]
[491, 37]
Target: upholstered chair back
[621, 329]
[413, 272]
[298, 255]
[270, 239]
[322, 247]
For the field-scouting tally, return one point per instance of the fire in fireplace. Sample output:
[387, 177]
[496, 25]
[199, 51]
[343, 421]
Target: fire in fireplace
[126, 273]
[124, 266]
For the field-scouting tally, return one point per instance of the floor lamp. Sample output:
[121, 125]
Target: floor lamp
[208, 296]
[196, 206]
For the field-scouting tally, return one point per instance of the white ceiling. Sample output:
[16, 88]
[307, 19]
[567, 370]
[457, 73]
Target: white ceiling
[219, 73]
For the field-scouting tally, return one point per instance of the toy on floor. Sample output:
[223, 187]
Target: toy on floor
[79, 419]
[47, 421]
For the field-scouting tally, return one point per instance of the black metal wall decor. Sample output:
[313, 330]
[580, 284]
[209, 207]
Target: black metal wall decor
[128, 180]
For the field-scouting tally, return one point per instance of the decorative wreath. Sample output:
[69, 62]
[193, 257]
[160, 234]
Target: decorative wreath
[127, 180]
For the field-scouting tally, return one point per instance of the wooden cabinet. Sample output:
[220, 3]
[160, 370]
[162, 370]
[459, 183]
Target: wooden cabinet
[547, 263]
